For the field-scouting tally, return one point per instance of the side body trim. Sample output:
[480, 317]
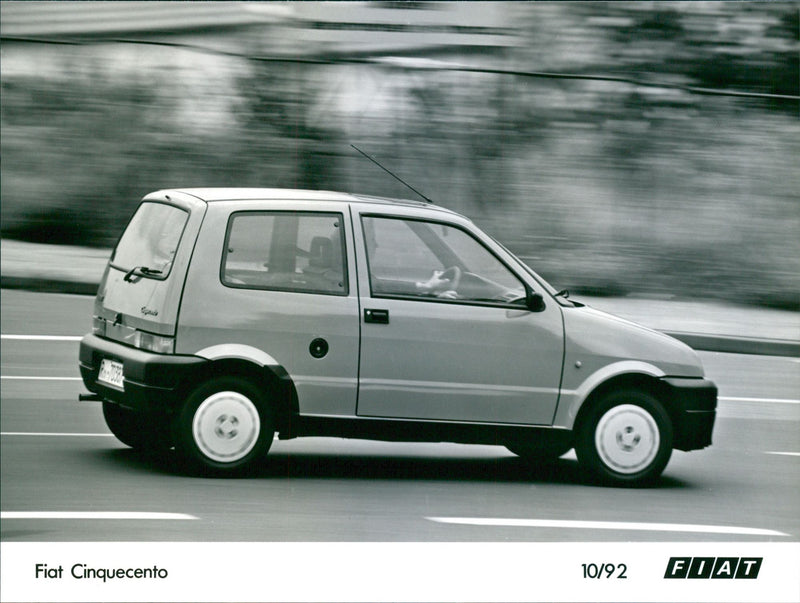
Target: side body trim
[405, 430]
[237, 351]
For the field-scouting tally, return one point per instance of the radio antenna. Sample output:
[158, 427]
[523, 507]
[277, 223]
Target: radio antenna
[393, 175]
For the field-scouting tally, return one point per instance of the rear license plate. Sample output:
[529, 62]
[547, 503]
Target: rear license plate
[111, 373]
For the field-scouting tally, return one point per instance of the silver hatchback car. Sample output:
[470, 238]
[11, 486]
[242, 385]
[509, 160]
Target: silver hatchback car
[226, 316]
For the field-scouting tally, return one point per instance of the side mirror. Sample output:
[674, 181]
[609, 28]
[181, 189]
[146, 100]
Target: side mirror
[534, 301]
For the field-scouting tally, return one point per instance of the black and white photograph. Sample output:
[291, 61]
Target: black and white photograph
[400, 301]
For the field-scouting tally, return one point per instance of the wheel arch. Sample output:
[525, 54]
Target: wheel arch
[262, 371]
[643, 382]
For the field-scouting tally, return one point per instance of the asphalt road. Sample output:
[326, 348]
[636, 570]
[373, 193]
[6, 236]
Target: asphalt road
[63, 477]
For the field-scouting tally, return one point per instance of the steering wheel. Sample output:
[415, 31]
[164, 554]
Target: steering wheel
[452, 274]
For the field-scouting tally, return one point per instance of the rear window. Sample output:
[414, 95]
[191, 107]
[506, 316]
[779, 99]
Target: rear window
[151, 239]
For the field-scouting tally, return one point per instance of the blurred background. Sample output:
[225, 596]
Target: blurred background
[607, 144]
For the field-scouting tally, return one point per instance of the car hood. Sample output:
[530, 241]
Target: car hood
[597, 336]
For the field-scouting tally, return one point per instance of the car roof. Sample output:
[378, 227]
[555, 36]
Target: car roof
[214, 195]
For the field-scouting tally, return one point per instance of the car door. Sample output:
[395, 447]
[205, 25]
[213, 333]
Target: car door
[445, 331]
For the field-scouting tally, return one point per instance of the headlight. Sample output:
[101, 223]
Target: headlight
[159, 344]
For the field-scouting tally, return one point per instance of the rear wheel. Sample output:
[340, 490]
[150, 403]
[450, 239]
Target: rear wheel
[224, 426]
[626, 439]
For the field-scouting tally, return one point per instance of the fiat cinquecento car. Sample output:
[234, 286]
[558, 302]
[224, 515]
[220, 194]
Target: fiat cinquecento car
[226, 316]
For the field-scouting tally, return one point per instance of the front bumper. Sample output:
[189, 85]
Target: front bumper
[693, 408]
[151, 382]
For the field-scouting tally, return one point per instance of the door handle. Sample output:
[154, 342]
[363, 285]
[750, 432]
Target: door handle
[376, 316]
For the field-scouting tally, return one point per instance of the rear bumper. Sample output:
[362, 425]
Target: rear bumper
[152, 382]
[693, 408]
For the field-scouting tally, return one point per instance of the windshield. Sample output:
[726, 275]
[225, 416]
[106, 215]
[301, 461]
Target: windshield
[151, 239]
[528, 269]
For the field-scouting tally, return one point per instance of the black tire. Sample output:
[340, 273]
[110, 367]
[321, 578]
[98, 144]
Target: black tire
[625, 439]
[538, 452]
[224, 427]
[142, 431]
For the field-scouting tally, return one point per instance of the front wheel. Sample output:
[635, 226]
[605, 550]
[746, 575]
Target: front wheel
[224, 426]
[626, 439]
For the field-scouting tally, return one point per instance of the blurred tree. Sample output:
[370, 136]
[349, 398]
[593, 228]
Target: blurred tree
[751, 47]
[277, 109]
[72, 152]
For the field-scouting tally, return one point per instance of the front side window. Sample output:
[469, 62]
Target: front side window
[428, 260]
[286, 251]
[151, 240]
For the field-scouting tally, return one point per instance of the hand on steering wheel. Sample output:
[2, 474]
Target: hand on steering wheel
[442, 283]
[452, 275]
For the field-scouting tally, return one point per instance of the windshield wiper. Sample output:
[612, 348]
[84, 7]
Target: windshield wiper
[141, 271]
[563, 293]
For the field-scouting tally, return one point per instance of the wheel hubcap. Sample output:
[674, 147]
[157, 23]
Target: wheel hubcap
[226, 426]
[627, 438]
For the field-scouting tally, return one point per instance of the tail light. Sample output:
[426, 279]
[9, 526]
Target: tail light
[160, 344]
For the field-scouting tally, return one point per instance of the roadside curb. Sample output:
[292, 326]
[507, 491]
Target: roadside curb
[48, 285]
[738, 345]
[697, 341]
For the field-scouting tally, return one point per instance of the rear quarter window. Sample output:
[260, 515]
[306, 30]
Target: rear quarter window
[286, 251]
[151, 239]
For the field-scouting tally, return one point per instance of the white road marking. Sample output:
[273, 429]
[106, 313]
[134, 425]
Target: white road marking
[43, 337]
[49, 434]
[35, 378]
[765, 400]
[783, 453]
[92, 515]
[604, 525]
